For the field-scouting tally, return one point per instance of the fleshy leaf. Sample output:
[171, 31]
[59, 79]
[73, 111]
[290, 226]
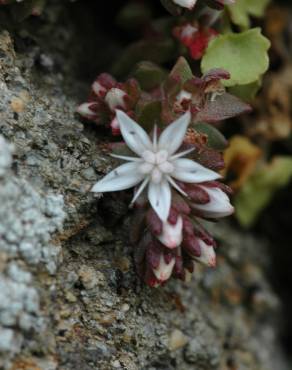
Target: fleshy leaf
[149, 75]
[246, 92]
[241, 10]
[222, 107]
[148, 113]
[215, 139]
[181, 71]
[133, 15]
[260, 188]
[244, 55]
[156, 51]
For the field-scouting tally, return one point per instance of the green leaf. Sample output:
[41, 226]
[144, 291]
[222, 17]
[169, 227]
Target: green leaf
[258, 191]
[149, 75]
[181, 71]
[246, 92]
[215, 139]
[148, 113]
[244, 55]
[133, 15]
[156, 51]
[243, 9]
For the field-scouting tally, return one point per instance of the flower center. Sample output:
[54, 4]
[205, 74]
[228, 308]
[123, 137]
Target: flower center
[156, 165]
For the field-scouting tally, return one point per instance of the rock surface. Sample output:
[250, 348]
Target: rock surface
[69, 296]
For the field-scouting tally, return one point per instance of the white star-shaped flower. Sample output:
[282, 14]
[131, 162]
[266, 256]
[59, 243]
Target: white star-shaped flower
[157, 165]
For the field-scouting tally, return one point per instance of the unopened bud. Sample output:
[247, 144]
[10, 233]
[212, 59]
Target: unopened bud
[115, 98]
[164, 270]
[208, 256]
[186, 3]
[171, 235]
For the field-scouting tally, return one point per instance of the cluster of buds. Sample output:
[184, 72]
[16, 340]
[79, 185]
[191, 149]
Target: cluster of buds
[105, 97]
[170, 248]
[195, 37]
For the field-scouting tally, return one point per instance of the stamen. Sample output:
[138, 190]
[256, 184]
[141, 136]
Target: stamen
[126, 158]
[140, 190]
[175, 185]
[181, 154]
[155, 138]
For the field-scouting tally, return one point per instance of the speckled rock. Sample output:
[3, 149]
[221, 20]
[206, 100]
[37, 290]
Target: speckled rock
[69, 295]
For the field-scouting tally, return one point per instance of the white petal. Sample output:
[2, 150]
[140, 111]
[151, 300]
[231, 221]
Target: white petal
[134, 135]
[172, 137]
[160, 199]
[190, 171]
[121, 178]
[219, 205]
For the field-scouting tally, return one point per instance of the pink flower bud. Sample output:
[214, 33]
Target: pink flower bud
[187, 33]
[164, 270]
[197, 194]
[183, 101]
[191, 245]
[115, 98]
[218, 206]
[186, 3]
[87, 110]
[171, 235]
[208, 256]
[98, 89]
[115, 127]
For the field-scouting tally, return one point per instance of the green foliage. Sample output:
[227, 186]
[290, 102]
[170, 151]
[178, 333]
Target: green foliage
[149, 75]
[148, 113]
[156, 51]
[133, 15]
[181, 71]
[241, 11]
[215, 139]
[244, 55]
[258, 191]
[246, 92]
